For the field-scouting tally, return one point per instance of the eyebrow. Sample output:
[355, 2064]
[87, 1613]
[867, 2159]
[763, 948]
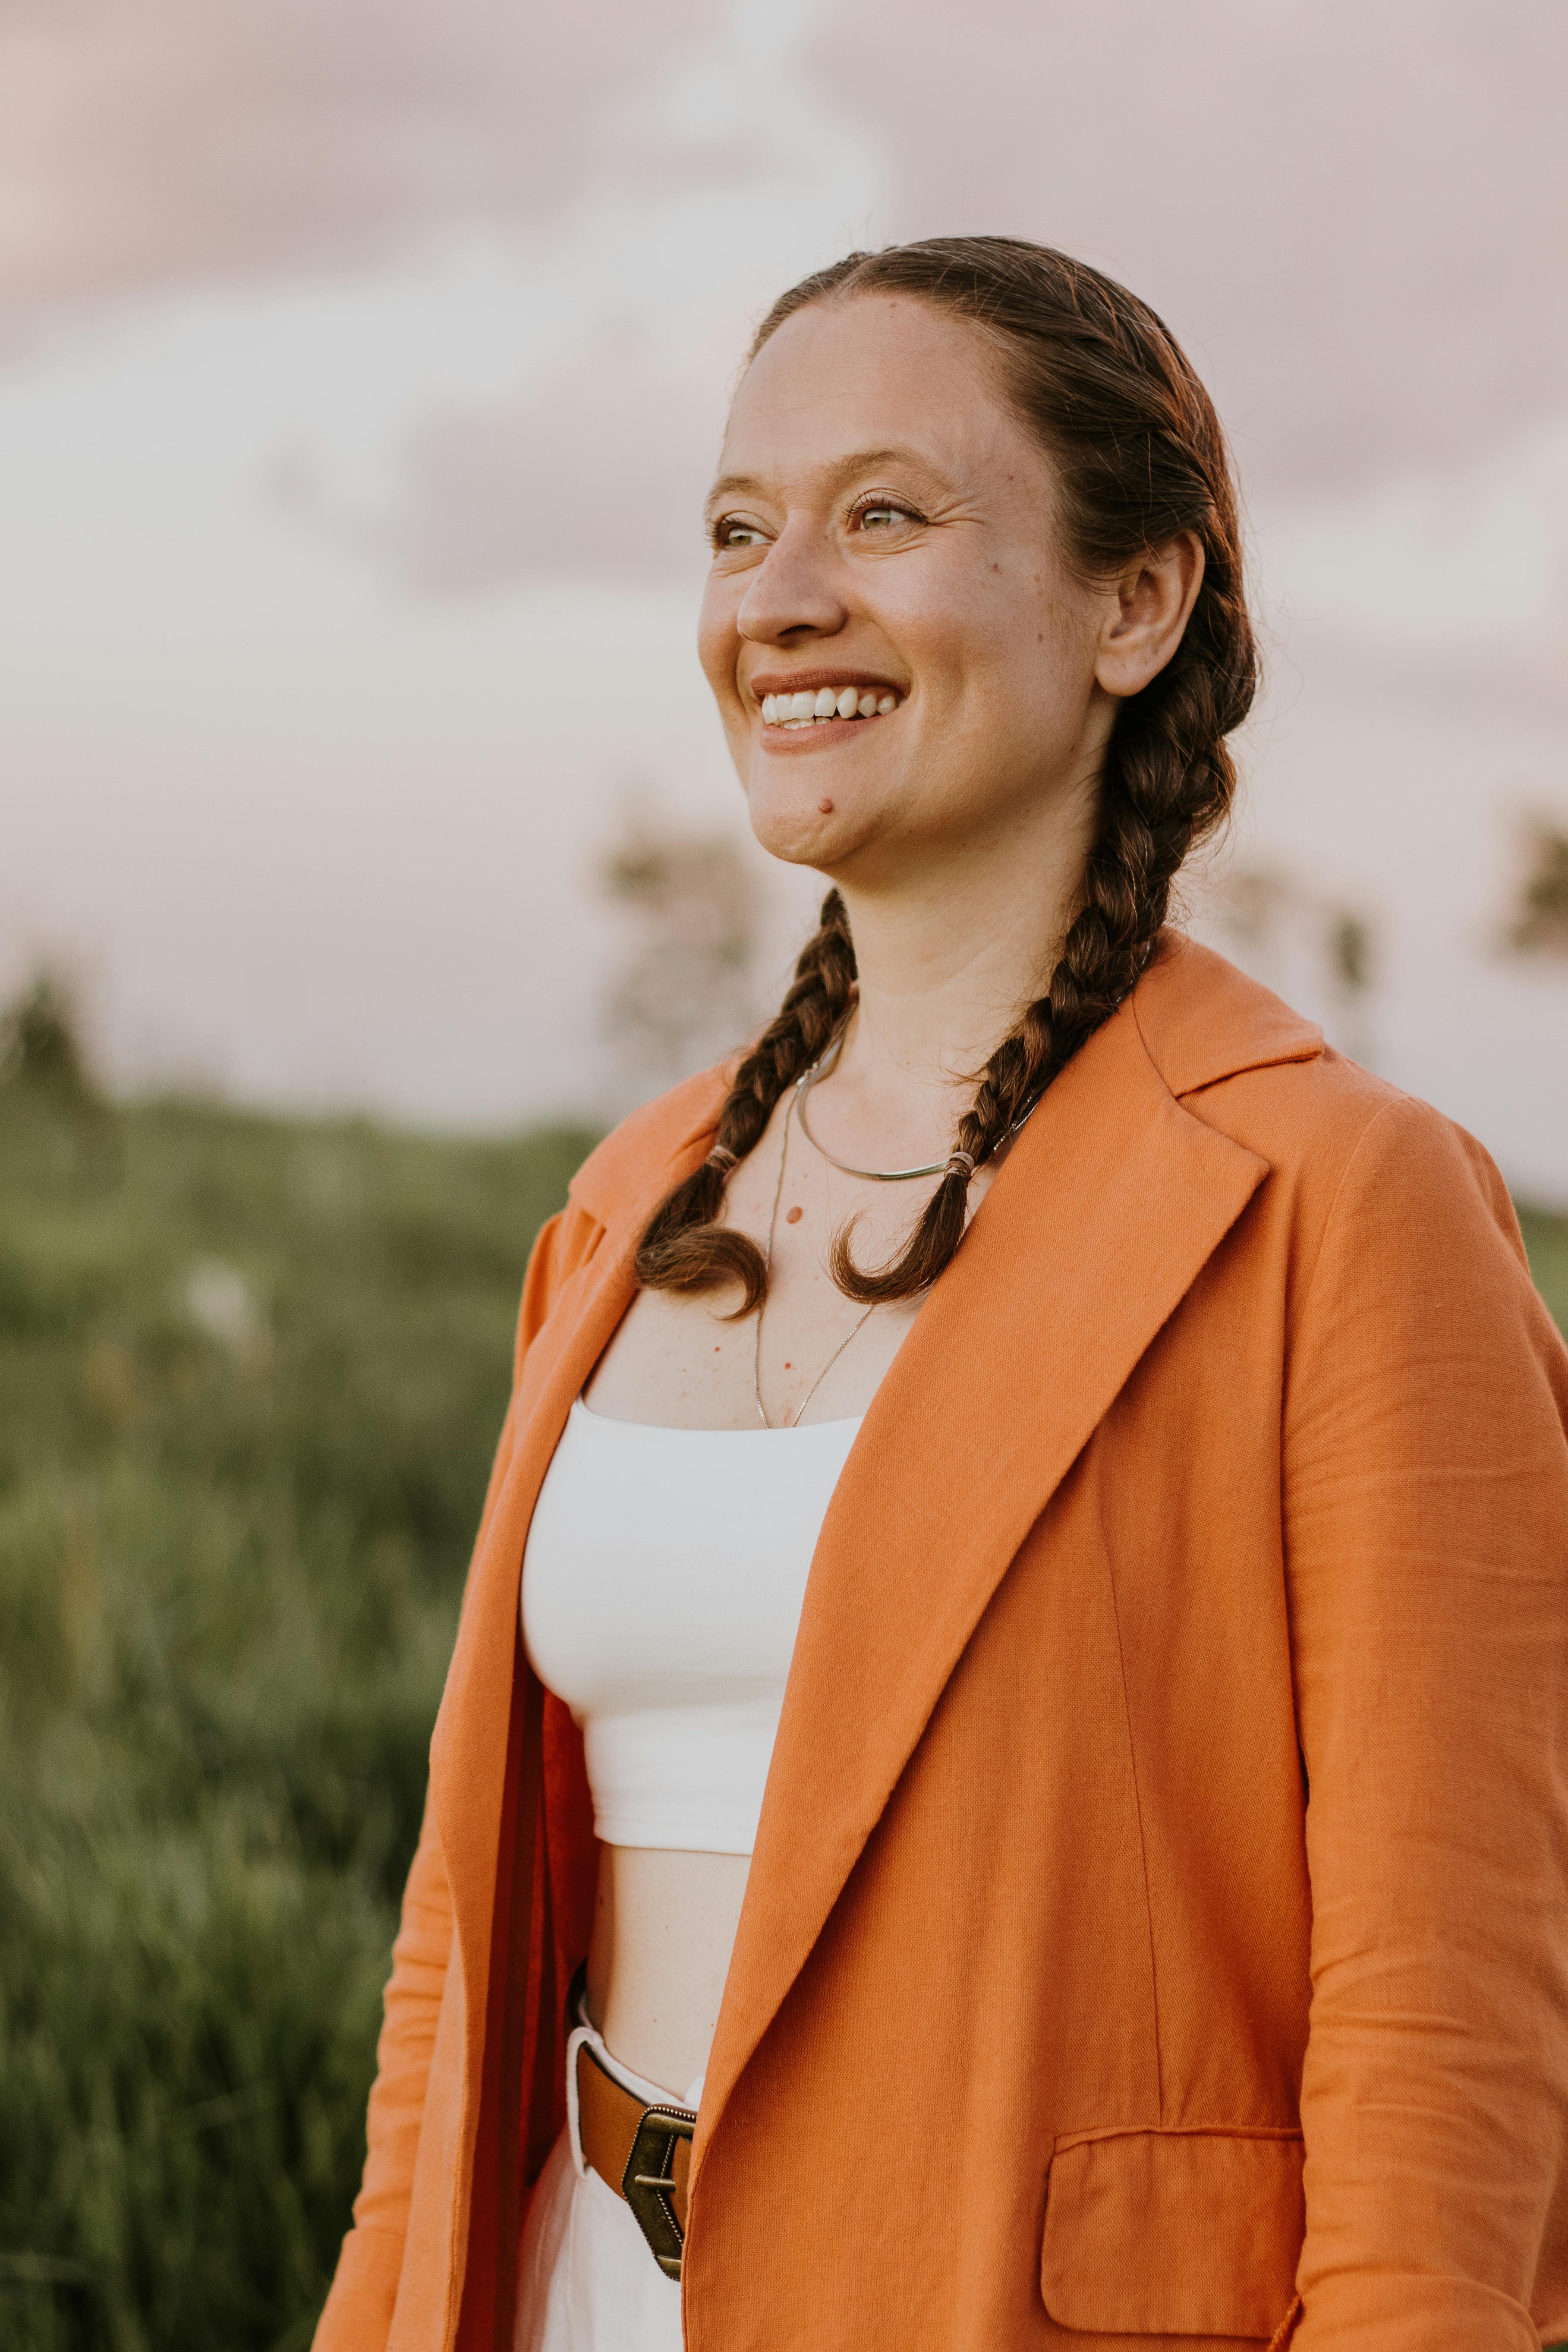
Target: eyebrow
[861, 461]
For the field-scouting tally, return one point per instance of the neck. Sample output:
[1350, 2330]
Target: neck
[948, 960]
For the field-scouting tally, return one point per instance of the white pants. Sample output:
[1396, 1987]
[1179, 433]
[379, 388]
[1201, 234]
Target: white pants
[587, 2281]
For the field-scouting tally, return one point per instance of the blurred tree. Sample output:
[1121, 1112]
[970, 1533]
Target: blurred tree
[55, 1111]
[1317, 950]
[41, 1046]
[683, 992]
[1540, 921]
[1350, 950]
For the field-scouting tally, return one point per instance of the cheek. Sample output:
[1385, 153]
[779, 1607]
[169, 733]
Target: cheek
[1043, 647]
[717, 640]
[975, 627]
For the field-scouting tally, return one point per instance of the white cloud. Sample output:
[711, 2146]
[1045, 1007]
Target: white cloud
[148, 143]
[1351, 213]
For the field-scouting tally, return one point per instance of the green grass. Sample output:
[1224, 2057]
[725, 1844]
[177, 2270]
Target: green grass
[251, 1372]
[1546, 1239]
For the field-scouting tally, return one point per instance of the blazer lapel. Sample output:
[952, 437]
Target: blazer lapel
[1113, 1199]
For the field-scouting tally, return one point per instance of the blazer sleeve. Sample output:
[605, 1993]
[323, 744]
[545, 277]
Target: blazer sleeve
[1425, 1513]
[357, 2316]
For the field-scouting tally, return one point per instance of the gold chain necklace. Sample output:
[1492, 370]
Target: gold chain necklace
[768, 1263]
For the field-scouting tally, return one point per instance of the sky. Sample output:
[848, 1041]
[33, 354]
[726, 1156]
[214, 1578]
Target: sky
[362, 363]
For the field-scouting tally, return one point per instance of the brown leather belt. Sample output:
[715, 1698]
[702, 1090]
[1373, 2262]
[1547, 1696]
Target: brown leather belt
[643, 2153]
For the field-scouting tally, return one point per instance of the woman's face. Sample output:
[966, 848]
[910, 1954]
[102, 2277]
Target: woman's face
[883, 532]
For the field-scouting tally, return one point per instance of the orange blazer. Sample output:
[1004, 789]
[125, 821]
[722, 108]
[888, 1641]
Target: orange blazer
[1156, 1932]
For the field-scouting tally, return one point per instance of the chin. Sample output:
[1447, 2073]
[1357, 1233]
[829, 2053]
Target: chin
[805, 838]
[789, 825]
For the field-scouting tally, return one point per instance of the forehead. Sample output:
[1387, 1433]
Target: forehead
[876, 372]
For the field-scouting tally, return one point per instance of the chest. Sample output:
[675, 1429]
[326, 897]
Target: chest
[683, 1361]
[668, 1566]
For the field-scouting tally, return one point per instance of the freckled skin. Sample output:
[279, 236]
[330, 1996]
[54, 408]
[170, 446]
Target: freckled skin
[946, 595]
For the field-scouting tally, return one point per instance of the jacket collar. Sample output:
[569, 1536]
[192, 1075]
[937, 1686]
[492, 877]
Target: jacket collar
[623, 1181]
[1201, 1021]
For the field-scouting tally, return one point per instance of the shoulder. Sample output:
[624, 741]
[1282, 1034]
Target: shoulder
[617, 1190]
[1239, 1058]
[624, 1177]
[1389, 1227]
[1378, 1205]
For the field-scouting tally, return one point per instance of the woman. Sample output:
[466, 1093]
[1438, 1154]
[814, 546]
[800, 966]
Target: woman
[1154, 1925]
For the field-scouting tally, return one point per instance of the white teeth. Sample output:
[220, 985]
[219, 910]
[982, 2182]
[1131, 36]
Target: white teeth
[806, 709]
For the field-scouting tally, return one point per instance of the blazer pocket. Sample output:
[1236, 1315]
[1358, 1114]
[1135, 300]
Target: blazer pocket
[1174, 2233]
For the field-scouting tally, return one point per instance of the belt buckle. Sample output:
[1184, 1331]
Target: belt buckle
[647, 2183]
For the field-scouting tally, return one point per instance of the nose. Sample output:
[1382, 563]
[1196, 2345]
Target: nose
[793, 591]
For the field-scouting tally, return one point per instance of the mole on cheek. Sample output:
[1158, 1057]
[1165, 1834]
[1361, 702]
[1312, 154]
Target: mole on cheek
[825, 807]
[792, 1216]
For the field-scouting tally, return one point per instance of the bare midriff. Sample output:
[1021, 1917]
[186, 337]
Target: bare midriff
[663, 1930]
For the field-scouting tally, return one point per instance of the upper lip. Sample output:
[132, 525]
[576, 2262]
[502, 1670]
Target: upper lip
[797, 681]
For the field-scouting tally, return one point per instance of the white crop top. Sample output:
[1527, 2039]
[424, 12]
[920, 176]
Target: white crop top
[661, 1593]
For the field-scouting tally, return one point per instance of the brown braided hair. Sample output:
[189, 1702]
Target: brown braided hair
[1139, 456]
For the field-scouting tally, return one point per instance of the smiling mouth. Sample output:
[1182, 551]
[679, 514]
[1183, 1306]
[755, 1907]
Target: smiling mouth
[815, 707]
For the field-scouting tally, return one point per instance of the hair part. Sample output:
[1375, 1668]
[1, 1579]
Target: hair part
[1140, 458]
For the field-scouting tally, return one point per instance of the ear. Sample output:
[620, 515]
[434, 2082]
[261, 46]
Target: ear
[1143, 626]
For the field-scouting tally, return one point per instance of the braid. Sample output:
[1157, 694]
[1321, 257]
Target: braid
[1140, 458]
[686, 1248]
[1168, 781]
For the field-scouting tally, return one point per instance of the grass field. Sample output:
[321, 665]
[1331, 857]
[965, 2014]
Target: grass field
[251, 1375]
[1546, 1239]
